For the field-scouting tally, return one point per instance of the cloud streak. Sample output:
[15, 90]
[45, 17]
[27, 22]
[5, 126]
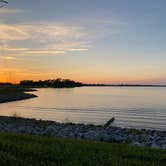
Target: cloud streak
[11, 11]
[49, 38]
[42, 38]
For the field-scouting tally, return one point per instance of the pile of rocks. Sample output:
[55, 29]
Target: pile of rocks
[142, 137]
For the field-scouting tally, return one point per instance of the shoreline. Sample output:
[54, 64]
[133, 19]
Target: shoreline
[112, 134]
[4, 98]
[15, 93]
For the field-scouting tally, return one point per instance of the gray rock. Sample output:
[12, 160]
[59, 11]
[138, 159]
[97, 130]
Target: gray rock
[91, 135]
[50, 130]
[155, 139]
[107, 138]
[138, 144]
[118, 138]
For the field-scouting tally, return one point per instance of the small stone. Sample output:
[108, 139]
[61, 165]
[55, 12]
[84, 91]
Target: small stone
[90, 135]
[138, 144]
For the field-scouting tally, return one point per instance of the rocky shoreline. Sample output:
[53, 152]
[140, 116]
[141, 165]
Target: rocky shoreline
[142, 137]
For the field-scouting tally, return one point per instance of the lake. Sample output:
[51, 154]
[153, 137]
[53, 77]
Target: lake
[137, 107]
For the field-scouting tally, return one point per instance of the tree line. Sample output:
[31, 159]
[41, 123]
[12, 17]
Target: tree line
[55, 83]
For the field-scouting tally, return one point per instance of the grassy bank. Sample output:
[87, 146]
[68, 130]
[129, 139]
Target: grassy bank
[14, 93]
[25, 150]
[14, 89]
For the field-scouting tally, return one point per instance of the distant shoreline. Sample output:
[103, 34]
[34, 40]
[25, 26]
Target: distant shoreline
[124, 85]
[99, 85]
[67, 83]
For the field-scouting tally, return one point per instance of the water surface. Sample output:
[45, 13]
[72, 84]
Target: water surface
[140, 107]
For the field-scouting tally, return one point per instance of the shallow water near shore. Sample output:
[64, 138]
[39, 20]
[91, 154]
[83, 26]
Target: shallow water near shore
[136, 107]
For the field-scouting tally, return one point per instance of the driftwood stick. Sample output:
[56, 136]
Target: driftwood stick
[108, 123]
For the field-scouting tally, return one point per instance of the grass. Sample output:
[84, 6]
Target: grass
[14, 93]
[13, 89]
[26, 150]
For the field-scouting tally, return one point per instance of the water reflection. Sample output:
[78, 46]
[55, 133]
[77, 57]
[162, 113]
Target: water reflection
[131, 106]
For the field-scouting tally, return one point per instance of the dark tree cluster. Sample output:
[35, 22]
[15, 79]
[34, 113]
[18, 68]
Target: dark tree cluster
[55, 83]
[5, 84]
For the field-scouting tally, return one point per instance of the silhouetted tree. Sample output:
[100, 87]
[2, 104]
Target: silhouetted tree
[56, 83]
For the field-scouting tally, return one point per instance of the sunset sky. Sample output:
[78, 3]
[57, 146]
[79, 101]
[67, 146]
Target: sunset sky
[92, 41]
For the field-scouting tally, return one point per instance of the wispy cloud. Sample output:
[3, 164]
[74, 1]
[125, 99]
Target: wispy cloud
[47, 38]
[12, 32]
[10, 58]
[43, 52]
[11, 11]
[42, 38]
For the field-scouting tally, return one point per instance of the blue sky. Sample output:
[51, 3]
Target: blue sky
[108, 41]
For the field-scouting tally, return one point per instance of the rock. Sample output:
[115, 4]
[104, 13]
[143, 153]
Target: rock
[90, 135]
[24, 129]
[50, 130]
[106, 138]
[138, 144]
[155, 139]
[118, 138]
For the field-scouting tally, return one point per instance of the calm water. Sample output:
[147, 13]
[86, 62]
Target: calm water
[131, 106]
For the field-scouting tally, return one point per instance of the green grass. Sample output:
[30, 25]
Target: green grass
[26, 150]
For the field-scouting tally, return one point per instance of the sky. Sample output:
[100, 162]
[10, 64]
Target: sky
[98, 41]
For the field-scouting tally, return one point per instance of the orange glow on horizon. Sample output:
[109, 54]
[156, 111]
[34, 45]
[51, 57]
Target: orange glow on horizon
[89, 80]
